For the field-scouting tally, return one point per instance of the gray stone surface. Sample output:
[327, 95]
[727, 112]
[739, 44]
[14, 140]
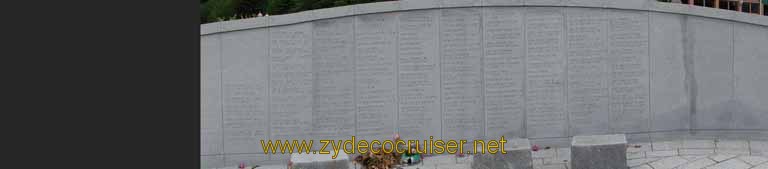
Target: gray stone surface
[210, 78]
[502, 2]
[518, 157]
[291, 82]
[669, 97]
[419, 113]
[210, 92]
[460, 3]
[545, 73]
[752, 112]
[588, 71]
[542, 69]
[333, 68]
[504, 74]
[544, 2]
[211, 161]
[461, 75]
[244, 91]
[320, 161]
[712, 60]
[599, 152]
[419, 4]
[628, 65]
[375, 75]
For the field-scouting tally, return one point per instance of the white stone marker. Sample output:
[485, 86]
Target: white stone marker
[518, 157]
[320, 161]
[599, 152]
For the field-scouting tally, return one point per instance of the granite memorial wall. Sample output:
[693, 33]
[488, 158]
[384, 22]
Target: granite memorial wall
[472, 69]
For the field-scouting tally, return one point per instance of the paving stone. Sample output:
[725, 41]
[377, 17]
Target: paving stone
[638, 147]
[439, 159]
[667, 145]
[543, 153]
[312, 161]
[761, 166]
[703, 144]
[758, 147]
[696, 151]
[644, 166]
[721, 157]
[271, 167]
[665, 153]
[464, 160]
[732, 152]
[730, 164]
[753, 160]
[554, 166]
[698, 164]
[563, 154]
[668, 163]
[635, 155]
[641, 161]
[694, 157]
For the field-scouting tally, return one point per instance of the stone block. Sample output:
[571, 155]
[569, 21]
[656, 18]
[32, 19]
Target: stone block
[502, 2]
[599, 152]
[320, 161]
[368, 8]
[518, 156]
[668, 163]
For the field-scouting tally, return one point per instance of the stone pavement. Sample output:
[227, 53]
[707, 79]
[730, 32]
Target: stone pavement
[667, 154]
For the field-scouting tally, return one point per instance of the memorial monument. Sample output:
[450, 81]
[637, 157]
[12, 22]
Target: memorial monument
[473, 69]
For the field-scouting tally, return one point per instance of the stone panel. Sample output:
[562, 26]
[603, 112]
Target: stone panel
[460, 3]
[418, 62]
[669, 94]
[290, 81]
[244, 80]
[544, 2]
[461, 60]
[750, 79]
[711, 52]
[586, 3]
[375, 75]
[210, 95]
[628, 65]
[545, 73]
[333, 106]
[419, 4]
[212, 161]
[503, 66]
[587, 92]
[502, 2]
[210, 142]
[210, 82]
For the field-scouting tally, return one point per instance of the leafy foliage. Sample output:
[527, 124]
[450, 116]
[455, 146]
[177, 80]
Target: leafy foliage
[217, 10]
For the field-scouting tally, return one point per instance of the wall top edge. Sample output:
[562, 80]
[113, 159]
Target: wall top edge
[408, 5]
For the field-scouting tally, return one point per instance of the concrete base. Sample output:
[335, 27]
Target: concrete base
[320, 161]
[518, 157]
[599, 152]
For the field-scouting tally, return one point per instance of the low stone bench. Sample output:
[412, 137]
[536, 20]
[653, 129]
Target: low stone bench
[320, 161]
[518, 157]
[599, 152]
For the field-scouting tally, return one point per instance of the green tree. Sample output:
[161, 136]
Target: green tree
[219, 9]
[276, 7]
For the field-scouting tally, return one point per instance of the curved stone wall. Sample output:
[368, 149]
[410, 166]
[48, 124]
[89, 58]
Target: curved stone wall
[472, 69]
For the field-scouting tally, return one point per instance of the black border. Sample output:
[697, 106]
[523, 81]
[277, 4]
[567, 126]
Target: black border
[101, 84]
